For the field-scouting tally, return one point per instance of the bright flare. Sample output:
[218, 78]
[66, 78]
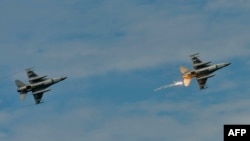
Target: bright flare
[178, 83]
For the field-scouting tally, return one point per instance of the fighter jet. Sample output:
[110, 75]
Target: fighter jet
[37, 85]
[201, 71]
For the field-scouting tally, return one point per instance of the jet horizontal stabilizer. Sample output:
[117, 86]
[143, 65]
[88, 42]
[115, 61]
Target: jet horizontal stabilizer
[41, 91]
[23, 96]
[187, 81]
[204, 77]
[19, 83]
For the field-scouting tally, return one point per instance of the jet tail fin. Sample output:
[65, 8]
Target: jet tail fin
[183, 69]
[19, 83]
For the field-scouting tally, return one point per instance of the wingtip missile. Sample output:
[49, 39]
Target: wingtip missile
[30, 69]
[41, 91]
[193, 55]
[203, 88]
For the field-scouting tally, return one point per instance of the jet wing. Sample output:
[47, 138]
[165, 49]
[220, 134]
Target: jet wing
[38, 93]
[33, 77]
[38, 97]
[202, 83]
[198, 63]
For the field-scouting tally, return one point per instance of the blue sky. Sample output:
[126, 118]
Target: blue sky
[115, 53]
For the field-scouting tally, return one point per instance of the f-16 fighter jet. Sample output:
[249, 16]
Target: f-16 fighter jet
[201, 71]
[37, 85]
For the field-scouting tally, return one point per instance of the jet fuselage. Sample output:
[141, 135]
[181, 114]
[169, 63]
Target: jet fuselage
[207, 70]
[201, 71]
[43, 84]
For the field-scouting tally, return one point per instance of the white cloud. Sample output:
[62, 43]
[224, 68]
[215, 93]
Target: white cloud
[228, 4]
[120, 36]
[148, 120]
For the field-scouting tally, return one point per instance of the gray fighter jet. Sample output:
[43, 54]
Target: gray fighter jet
[37, 85]
[201, 70]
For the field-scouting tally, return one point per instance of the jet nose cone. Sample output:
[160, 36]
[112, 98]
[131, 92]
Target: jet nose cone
[227, 64]
[63, 78]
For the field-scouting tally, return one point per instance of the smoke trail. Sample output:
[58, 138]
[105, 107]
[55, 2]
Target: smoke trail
[177, 83]
[10, 74]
